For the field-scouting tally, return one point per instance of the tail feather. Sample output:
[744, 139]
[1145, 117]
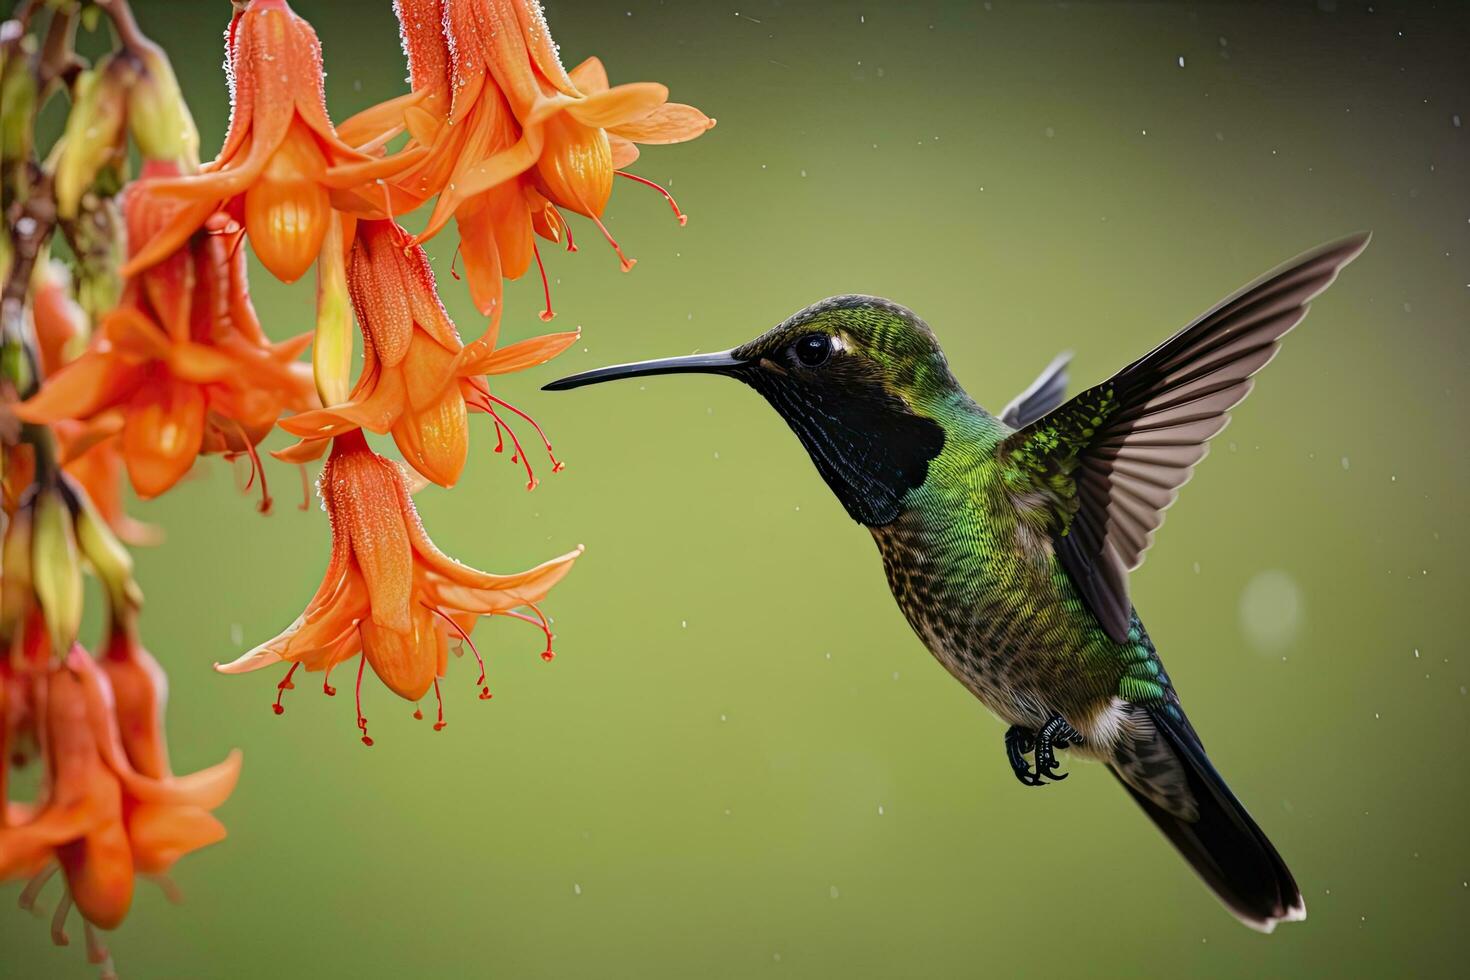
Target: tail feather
[1222, 844]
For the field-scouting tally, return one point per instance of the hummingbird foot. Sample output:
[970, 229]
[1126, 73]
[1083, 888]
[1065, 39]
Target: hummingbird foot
[1055, 734]
[1019, 742]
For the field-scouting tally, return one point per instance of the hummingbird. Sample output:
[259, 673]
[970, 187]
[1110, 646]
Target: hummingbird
[1007, 539]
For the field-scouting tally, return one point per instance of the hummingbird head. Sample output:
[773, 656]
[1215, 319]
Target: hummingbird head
[860, 380]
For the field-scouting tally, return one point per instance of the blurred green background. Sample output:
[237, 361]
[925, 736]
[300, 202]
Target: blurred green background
[742, 763]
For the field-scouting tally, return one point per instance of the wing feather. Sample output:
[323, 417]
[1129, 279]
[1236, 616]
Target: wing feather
[1113, 459]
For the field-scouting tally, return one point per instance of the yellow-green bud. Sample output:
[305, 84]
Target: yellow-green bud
[16, 593]
[93, 138]
[55, 570]
[17, 104]
[108, 558]
[331, 345]
[157, 114]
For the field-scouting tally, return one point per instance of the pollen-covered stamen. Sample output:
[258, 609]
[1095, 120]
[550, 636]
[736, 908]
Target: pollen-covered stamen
[58, 921]
[282, 688]
[439, 699]
[626, 262]
[32, 890]
[556, 465]
[361, 718]
[480, 683]
[540, 622]
[548, 314]
[683, 218]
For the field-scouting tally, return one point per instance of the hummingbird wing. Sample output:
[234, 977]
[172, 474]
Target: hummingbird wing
[1043, 395]
[1101, 469]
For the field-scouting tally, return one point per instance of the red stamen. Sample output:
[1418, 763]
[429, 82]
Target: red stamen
[556, 465]
[547, 314]
[440, 723]
[170, 889]
[540, 622]
[571, 245]
[327, 688]
[58, 921]
[484, 691]
[361, 719]
[256, 466]
[96, 949]
[418, 714]
[520, 454]
[281, 690]
[305, 488]
[683, 218]
[627, 262]
[453, 261]
[32, 890]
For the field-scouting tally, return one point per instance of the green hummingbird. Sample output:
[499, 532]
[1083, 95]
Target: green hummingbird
[1007, 540]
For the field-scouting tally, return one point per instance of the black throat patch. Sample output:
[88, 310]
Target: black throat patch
[866, 442]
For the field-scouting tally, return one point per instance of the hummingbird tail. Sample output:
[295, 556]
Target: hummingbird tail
[1223, 844]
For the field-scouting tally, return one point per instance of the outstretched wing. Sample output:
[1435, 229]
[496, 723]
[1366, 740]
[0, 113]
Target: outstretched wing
[1043, 395]
[1100, 470]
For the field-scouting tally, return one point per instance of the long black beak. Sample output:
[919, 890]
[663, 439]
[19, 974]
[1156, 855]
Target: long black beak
[723, 362]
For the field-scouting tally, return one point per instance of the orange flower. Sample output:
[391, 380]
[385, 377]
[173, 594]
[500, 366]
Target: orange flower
[389, 593]
[59, 321]
[93, 458]
[101, 819]
[281, 154]
[507, 135]
[417, 378]
[159, 832]
[180, 368]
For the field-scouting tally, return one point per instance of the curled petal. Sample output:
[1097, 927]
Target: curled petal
[673, 122]
[516, 357]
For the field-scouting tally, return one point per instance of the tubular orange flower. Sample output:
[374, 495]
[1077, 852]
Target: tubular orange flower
[89, 822]
[417, 379]
[389, 593]
[281, 154]
[180, 368]
[92, 456]
[507, 135]
[576, 131]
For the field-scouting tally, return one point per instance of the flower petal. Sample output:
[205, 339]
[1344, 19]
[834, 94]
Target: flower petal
[162, 435]
[673, 122]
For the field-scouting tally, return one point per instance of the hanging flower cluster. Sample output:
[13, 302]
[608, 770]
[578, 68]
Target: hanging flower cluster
[143, 353]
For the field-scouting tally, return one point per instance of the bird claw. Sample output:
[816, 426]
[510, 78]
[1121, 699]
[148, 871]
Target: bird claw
[1055, 734]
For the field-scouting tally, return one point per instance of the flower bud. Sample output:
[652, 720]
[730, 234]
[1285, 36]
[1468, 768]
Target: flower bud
[17, 104]
[93, 139]
[97, 243]
[331, 350]
[158, 117]
[56, 573]
[108, 558]
[16, 594]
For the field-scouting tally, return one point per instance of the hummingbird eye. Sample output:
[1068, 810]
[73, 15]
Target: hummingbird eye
[813, 349]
